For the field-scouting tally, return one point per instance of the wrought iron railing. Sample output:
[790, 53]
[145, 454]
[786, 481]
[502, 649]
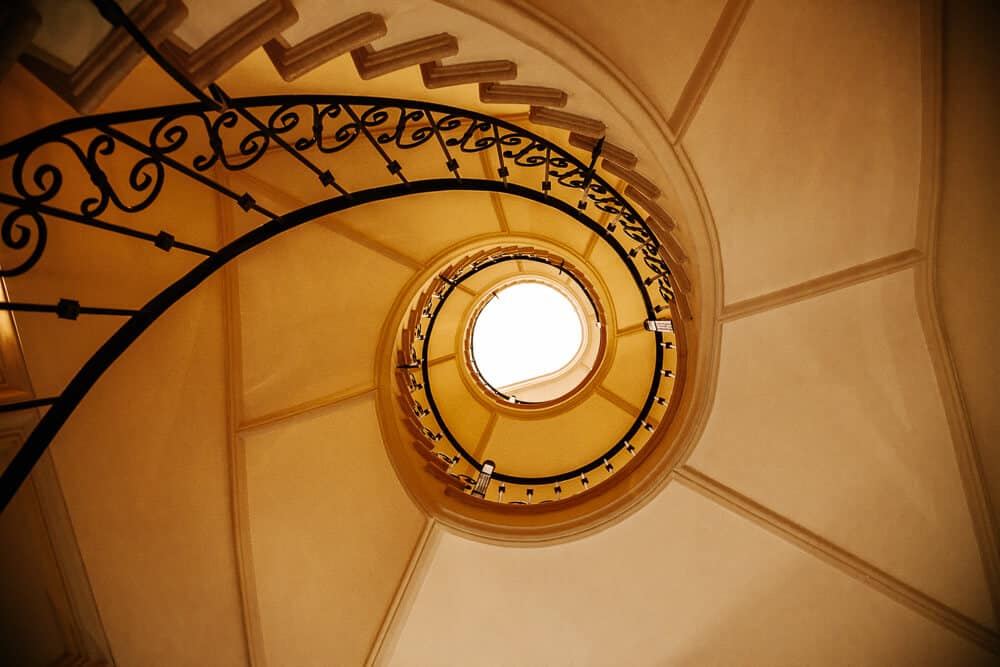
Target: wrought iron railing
[451, 460]
[192, 141]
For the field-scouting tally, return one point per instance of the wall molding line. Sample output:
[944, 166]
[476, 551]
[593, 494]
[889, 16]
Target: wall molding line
[399, 608]
[982, 510]
[834, 555]
[441, 360]
[239, 494]
[299, 409]
[727, 27]
[631, 329]
[618, 401]
[331, 223]
[859, 273]
[484, 438]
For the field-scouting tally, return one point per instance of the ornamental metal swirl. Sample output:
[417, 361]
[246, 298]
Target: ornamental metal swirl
[105, 171]
[191, 140]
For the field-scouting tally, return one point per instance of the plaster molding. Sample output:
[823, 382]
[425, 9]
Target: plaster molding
[306, 407]
[714, 54]
[440, 360]
[981, 506]
[631, 329]
[239, 493]
[843, 560]
[877, 268]
[330, 223]
[618, 401]
[484, 438]
[406, 592]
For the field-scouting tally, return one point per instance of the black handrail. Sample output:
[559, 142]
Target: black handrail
[333, 123]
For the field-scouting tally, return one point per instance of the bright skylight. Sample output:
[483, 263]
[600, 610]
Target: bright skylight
[525, 331]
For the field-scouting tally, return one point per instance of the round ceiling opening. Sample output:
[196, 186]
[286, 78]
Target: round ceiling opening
[527, 332]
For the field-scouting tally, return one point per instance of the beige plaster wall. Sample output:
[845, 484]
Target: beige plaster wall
[332, 532]
[144, 461]
[968, 235]
[682, 582]
[827, 411]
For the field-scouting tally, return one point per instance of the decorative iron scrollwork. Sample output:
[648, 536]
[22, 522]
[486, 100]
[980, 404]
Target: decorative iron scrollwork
[17, 236]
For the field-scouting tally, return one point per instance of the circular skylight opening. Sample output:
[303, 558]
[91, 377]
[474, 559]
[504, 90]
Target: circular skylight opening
[527, 331]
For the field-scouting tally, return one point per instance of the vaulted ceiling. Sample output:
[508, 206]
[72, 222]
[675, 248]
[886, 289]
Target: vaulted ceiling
[830, 168]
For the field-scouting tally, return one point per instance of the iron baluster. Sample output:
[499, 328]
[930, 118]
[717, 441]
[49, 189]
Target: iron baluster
[112, 12]
[245, 201]
[163, 240]
[67, 309]
[588, 176]
[325, 176]
[502, 170]
[451, 164]
[27, 405]
[391, 165]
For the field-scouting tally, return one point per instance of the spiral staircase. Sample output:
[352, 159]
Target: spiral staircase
[244, 246]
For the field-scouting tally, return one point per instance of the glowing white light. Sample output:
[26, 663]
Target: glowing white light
[526, 331]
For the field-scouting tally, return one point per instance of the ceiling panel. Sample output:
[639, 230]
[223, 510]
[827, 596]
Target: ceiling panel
[657, 44]
[682, 582]
[538, 446]
[632, 372]
[144, 466]
[332, 532]
[421, 226]
[808, 141]
[827, 412]
[312, 304]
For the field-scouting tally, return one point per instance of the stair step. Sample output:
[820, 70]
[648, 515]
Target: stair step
[294, 61]
[224, 50]
[672, 247]
[19, 22]
[609, 151]
[436, 75]
[679, 278]
[85, 86]
[502, 93]
[660, 217]
[567, 121]
[371, 63]
[633, 178]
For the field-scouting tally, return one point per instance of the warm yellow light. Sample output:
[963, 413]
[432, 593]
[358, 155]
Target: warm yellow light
[527, 330]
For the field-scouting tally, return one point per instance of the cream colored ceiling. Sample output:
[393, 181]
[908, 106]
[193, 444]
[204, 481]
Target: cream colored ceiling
[808, 141]
[826, 412]
[332, 532]
[241, 506]
[968, 242]
[682, 582]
